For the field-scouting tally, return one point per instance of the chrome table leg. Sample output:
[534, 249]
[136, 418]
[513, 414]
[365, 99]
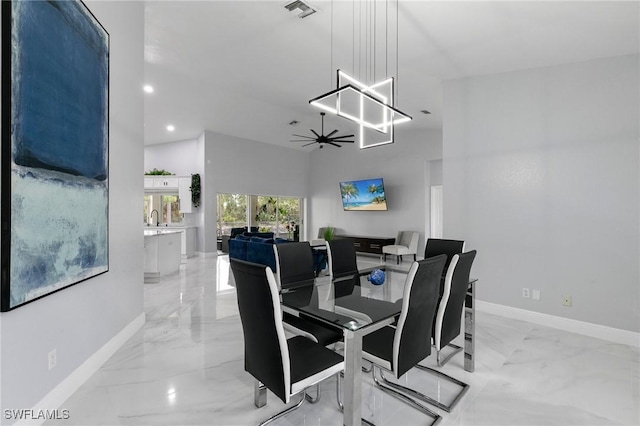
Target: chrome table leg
[470, 327]
[259, 394]
[352, 380]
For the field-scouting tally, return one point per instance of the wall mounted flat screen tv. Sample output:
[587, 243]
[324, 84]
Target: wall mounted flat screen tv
[363, 195]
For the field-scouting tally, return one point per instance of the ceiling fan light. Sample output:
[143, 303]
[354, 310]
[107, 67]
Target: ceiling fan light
[322, 139]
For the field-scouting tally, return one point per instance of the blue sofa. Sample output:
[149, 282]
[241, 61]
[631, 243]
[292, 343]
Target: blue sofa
[258, 248]
[255, 247]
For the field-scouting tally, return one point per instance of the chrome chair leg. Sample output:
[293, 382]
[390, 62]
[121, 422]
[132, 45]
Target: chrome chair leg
[447, 408]
[284, 412]
[312, 400]
[260, 400]
[391, 390]
[259, 394]
[442, 362]
[341, 406]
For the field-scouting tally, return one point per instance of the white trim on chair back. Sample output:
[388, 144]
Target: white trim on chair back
[329, 259]
[442, 307]
[282, 338]
[277, 273]
[413, 245]
[408, 283]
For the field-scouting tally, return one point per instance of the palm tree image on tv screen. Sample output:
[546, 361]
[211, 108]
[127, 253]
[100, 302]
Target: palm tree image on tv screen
[363, 195]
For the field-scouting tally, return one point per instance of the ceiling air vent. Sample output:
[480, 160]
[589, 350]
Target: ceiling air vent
[305, 9]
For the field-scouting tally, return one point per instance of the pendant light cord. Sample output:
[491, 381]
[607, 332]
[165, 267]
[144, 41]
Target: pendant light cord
[386, 39]
[353, 37]
[331, 49]
[397, 54]
[375, 27]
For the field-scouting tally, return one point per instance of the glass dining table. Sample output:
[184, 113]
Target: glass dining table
[357, 307]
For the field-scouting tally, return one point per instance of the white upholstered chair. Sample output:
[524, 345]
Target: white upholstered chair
[319, 241]
[406, 243]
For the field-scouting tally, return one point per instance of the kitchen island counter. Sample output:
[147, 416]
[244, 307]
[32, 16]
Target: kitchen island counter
[162, 253]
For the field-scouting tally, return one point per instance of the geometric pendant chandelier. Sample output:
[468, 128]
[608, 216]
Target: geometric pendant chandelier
[369, 106]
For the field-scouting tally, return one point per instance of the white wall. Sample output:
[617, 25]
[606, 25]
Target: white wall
[179, 158]
[541, 177]
[232, 165]
[79, 320]
[404, 166]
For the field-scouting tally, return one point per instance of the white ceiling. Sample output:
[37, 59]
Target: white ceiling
[248, 68]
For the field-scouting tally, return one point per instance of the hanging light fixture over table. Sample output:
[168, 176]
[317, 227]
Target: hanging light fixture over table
[371, 106]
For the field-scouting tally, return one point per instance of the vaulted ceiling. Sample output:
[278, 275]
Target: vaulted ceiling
[249, 68]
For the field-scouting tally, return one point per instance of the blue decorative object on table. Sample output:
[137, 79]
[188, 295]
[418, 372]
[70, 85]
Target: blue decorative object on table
[376, 277]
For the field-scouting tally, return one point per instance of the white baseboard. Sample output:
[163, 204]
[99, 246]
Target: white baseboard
[611, 334]
[208, 254]
[58, 395]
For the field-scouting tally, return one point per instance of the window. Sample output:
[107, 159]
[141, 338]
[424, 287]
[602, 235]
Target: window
[146, 209]
[165, 205]
[170, 209]
[269, 213]
[232, 212]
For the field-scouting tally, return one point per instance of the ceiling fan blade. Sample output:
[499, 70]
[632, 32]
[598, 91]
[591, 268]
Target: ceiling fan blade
[307, 144]
[345, 136]
[341, 141]
[334, 144]
[303, 136]
[301, 140]
[332, 133]
[314, 132]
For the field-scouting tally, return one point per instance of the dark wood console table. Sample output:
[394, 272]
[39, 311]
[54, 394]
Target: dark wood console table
[369, 244]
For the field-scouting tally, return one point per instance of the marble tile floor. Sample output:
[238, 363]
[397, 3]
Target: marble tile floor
[185, 367]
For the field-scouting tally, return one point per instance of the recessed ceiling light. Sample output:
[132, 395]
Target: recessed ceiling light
[171, 127]
[148, 88]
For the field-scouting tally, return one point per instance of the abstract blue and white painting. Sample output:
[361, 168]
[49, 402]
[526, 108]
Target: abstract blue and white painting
[58, 116]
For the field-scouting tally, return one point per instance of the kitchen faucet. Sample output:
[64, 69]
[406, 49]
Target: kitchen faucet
[157, 219]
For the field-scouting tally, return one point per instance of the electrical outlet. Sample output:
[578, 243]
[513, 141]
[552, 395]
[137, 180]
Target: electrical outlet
[566, 300]
[525, 293]
[535, 294]
[53, 359]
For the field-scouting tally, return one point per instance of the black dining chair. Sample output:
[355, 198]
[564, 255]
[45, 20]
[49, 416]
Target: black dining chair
[398, 349]
[285, 366]
[448, 323]
[341, 255]
[294, 265]
[343, 270]
[437, 246]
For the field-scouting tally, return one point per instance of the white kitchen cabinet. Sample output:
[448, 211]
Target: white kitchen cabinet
[188, 237]
[166, 182]
[161, 253]
[189, 241]
[184, 195]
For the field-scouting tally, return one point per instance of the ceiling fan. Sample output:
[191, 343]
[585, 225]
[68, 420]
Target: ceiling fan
[322, 139]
